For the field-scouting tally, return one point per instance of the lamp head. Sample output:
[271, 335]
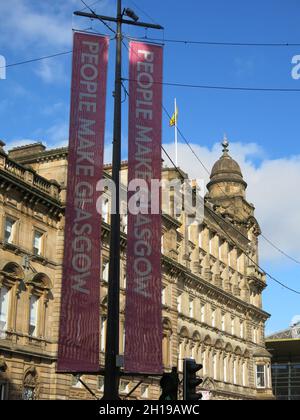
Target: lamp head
[130, 13]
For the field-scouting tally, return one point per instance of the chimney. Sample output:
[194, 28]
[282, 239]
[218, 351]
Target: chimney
[26, 151]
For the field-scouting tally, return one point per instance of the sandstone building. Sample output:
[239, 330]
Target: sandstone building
[212, 290]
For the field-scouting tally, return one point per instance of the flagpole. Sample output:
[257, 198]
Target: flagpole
[176, 135]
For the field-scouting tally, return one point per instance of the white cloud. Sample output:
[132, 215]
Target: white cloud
[58, 134]
[273, 188]
[56, 108]
[295, 320]
[51, 71]
[47, 23]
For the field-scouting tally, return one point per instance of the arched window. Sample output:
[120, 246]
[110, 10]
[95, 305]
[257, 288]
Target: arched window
[33, 315]
[11, 276]
[38, 286]
[4, 310]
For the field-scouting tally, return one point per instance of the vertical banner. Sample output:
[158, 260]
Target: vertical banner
[143, 316]
[78, 348]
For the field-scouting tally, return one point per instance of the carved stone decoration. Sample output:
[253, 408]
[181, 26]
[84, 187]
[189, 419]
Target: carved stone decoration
[3, 365]
[30, 384]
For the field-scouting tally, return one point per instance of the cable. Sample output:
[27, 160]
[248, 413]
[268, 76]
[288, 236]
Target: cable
[90, 5]
[143, 11]
[98, 17]
[36, 59]
[260, 268]
[280, 250]
[208, 172]
[224, 44]
[224, 192]
[239, 88]
[214, 215]
[46, 57]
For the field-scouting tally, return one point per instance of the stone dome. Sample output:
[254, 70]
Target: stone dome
[226, 169]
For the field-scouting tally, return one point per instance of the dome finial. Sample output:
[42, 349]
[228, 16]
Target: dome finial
[225, 145]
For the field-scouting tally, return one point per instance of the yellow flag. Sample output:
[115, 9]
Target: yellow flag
[174, 118]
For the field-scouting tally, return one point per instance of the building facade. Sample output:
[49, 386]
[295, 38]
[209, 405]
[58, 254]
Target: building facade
[212, 288]
[285, 349]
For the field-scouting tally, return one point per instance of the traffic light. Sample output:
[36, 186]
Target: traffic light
[169, 386]
[190, 380]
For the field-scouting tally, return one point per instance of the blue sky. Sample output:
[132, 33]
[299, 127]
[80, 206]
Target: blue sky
[262, 127]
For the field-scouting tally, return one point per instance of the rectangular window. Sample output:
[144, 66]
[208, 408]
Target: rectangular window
[9, 230]
[163, 295]
[76, 382]
[105, 271]
[241, 329]
[4, 304]
[260, 376]
[179, 303]
[105, 210]
[191, 308]
[215, 370]
[100, 384]
[103, 333]
[124, 387]
[145, 391]
[225, 369]
[33, 315]
[3, 387]
[124, 222]
[235, 372]
[37, 242]
[244, 373]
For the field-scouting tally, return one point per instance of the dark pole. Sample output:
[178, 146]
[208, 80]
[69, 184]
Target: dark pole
[112, 372]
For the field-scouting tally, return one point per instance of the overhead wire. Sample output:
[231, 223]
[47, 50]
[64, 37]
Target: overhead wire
[224, 220]
[218, 43]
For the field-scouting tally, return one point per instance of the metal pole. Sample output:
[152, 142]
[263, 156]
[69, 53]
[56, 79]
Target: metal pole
[112, 372]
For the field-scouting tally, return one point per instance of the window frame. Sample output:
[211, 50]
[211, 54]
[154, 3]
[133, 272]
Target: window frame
[9, 291]
[42, 238]
[14, 221]
[3, 390]
[37, 310]
[261, 373]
